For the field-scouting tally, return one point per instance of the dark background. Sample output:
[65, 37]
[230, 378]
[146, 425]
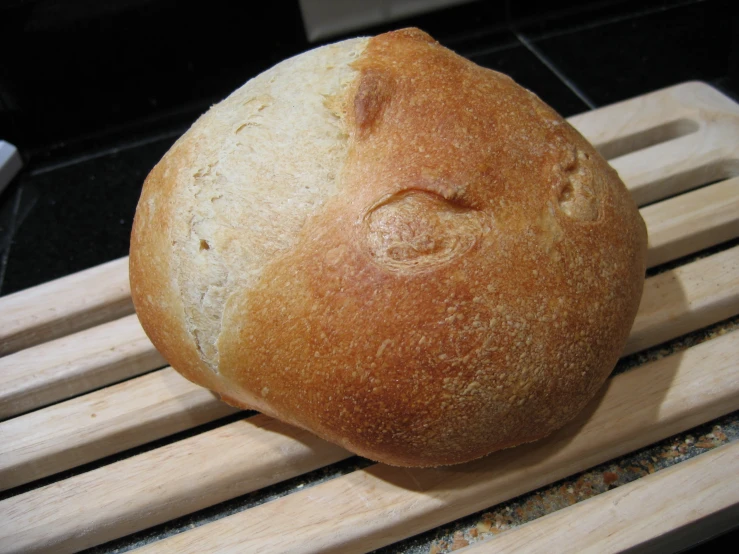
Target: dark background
[94, 92]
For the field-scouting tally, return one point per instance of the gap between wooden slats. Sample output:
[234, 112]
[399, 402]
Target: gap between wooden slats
[240, 457]
[667, 511]
[693, 221]
[152, 406]
[101, 294]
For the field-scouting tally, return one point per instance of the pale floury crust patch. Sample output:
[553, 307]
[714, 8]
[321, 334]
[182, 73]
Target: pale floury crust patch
[271, 156]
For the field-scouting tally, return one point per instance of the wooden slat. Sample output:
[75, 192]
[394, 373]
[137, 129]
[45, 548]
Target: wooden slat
[102, 423]
[636, 408]
[648, 510]
[380, 505]
[75, 364]
[161, 484]
[691, 222]
[686, 298]
[64, 306]
[65, 435]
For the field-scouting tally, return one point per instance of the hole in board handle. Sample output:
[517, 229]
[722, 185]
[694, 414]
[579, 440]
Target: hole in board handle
[648, 137]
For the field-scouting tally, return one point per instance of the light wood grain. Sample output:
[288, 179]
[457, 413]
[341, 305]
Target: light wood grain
[693, 221]
[75, 364]
[62, 436]
[102, 423]
[686, 298]
[161, 484]
[647, 510]
[64, 306]
[380, 505]
[365, 509]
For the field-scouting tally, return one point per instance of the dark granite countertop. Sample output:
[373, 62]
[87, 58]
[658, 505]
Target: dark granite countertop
[94, 93]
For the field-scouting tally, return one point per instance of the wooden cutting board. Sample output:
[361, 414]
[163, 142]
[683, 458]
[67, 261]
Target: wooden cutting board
[79, 382]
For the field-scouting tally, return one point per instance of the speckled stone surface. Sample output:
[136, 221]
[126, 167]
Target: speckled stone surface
[509, 515]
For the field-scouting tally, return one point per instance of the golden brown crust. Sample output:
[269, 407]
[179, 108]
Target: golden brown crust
[469, 288]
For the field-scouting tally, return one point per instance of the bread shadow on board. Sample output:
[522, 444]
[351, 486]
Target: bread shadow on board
[323, 452]
[623, 417]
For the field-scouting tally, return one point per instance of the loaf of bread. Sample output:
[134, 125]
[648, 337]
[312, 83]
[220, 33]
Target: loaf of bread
[394, 248]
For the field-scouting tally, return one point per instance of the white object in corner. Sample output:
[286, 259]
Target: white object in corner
[10, 163]
[324, 18]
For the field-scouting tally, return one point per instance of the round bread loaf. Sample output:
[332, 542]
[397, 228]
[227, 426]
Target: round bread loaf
[392, 247]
